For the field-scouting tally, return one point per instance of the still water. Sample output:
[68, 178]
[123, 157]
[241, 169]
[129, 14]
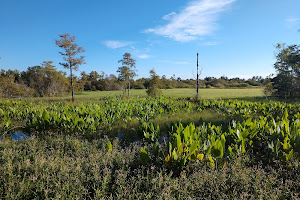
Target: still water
[18, 136]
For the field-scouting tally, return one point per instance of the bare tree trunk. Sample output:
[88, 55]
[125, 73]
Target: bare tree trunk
[128, 87]
[197, 97]
[124, 88]
[72, 84]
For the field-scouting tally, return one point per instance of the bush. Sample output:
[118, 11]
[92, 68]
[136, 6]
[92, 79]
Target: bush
[219, 86]
[153, 91]
[154, 84]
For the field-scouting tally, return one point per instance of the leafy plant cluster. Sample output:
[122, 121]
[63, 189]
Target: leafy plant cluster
[255, 154]
[267, 141]
[84, 118]
[268, 132]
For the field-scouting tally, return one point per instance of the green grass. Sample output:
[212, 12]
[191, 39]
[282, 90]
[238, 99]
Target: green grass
[253, 94]
[183, 92]
[215, 93]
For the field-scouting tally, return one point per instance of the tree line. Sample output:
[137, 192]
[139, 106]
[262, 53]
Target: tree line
[45, 80]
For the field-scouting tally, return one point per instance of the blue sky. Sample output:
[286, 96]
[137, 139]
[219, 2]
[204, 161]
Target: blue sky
[234, 38]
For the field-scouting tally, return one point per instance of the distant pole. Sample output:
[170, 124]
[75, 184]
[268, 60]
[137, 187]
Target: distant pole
[197, 97]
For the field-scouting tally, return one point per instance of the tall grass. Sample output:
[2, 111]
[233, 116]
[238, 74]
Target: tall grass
[65, 167]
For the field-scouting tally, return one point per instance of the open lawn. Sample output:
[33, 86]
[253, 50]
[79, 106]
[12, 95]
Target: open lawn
[184, 92]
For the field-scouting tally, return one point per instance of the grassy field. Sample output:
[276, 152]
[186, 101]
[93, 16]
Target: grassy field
[151, 148]
[184, 92]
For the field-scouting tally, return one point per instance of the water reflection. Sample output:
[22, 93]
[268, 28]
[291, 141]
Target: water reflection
[18, 136]
[120, 135]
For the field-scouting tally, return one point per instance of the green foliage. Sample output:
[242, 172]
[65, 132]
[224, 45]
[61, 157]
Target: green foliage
[11, 85]
[46, 80]
[153, 134]
[185, 144]
[266, 138]
[154, 85]
[86, 118]
[127, 71]
[286, 83]
[250, 157]
[71, 50]
[144, 156]
[109, 146]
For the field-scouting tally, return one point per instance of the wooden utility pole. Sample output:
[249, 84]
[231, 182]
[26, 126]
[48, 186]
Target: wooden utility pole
[197, 97]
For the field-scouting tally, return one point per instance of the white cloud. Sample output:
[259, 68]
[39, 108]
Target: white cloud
[143, 56]
[180, 63]
[115, 44]
[197, 19]
[292, 22]
[209, 43]
[175, 62]
[169, 16]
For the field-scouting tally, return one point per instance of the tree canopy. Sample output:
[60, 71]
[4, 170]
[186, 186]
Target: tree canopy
[70, 55]
[127, 71]
[287, 81]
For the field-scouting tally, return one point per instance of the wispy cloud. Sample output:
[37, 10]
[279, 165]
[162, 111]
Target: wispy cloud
[209, 43]
[175, 62]
[197, 19]
[169, 16]
[143, 56]
[115, 44]
[292, 22]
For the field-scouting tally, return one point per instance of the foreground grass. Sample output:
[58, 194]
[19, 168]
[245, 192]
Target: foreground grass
[68, 165]
[65, 167]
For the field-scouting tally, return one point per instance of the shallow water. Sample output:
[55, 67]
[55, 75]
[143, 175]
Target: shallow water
[120, 135]
[17, 135]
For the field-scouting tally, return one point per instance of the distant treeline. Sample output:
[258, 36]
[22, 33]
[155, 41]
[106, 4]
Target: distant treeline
[45, 80]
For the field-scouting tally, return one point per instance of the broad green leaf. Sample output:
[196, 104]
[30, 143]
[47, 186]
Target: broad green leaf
[109, 146]
[144, 157]
[290, 155]
[200, 156]
[174, 155]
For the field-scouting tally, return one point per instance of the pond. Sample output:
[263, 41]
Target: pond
[18, 136]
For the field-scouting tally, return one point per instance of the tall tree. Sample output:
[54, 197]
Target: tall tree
[70, 55]
[287, 81]
[127, 71]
